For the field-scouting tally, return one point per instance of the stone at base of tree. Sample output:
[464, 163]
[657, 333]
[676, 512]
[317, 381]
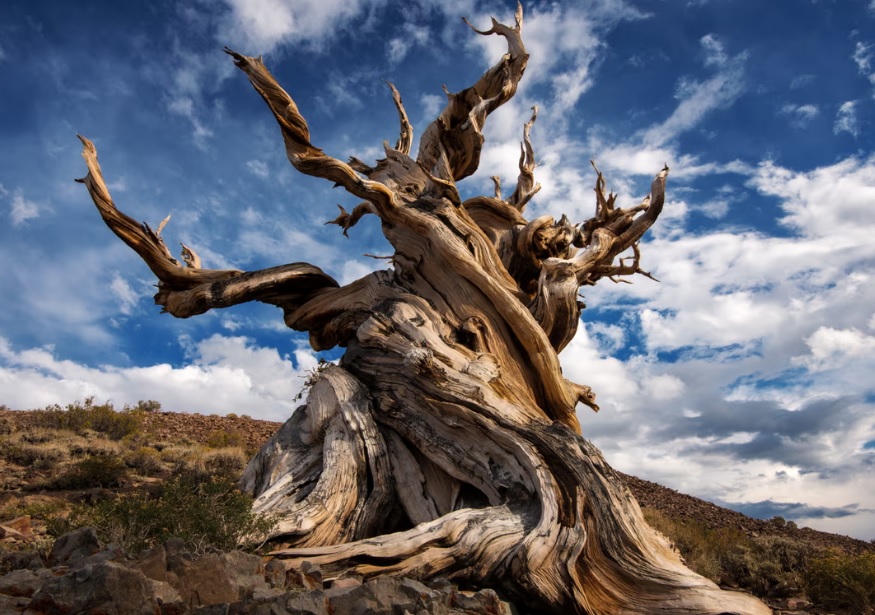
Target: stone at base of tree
[73, 546]
[108, 588]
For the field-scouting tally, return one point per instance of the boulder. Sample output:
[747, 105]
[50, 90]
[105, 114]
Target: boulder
[73, 546]
[109, 588]
[23, 582]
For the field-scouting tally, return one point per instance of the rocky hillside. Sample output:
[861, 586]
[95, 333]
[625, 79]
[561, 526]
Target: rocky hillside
[54, 463]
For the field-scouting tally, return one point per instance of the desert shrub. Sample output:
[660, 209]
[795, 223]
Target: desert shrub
[843, 582]
[80, 417]
[703, 549]
[145, 459]
[228, 462]
[93, 471]
[231, 416]
[203, 463]
[224, 439]
[768, 566]
[39, 456]
[203, 514]
[148, 405]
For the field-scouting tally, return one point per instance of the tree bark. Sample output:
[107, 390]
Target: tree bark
[445, 443]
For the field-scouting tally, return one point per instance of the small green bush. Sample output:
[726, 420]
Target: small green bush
[224, 439]
[768, 566]
[80, 417]
[145, 460]
[203, 514]
[843, 582]
[38, 456]
[94, 471]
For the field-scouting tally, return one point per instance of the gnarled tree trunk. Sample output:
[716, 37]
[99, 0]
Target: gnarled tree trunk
[445, 442]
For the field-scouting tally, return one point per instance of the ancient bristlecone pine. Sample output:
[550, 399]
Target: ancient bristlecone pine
[445, 442]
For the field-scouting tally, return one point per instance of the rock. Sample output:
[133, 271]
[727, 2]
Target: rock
[352, 581]
[176, 554]
[381, 596]
[291, 603]
[108, 588]
[246, 573]
[153, 563]
[13, 604]
[74, 545]
[204, 581]
[167, 597]
[275, 573]
[18, 529]
[307, 577]
[17, 560]
[312, 574]
[483, 601]
[23, 582]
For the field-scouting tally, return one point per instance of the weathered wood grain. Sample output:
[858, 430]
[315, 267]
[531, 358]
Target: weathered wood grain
[446, 440]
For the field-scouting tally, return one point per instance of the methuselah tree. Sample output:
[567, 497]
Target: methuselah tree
[445, 443]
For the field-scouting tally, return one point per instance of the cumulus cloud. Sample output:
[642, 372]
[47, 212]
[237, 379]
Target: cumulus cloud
[834, 348]
[225, 374]
[565, 43]
[778, 324]
[264, 25]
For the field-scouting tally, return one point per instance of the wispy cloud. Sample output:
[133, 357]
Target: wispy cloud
[863, 59]
[846, 119]
[21, 209]
[258, 168]
[800, 115]
[698, 98]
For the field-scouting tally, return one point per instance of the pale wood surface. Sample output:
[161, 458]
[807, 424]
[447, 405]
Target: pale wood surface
[445, 443]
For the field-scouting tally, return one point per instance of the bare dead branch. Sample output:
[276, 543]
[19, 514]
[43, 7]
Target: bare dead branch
[526, 187]
[305, 157]
[450, 146]
[405, 140]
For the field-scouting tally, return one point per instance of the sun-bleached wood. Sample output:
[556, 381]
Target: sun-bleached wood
[445, 442]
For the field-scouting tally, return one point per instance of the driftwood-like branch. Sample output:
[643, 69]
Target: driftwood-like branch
[450, 147]
[446, 441]
[405, 139]
[526, 188]
[305, 157]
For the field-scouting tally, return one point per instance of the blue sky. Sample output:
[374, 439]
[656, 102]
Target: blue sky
[745, 376]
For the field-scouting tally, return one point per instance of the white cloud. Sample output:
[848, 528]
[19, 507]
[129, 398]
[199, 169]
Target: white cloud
[261, 26]
[125, 296]
[863, 59]
[835, 348]
[257, 167]
[564, 43]
[801, 81]
[22, 209]
[800, 115]
[833, 201]
[714, 52]
[431, 105]
[846, 119]
[226, 374]
[411, 35]
[698, 98]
